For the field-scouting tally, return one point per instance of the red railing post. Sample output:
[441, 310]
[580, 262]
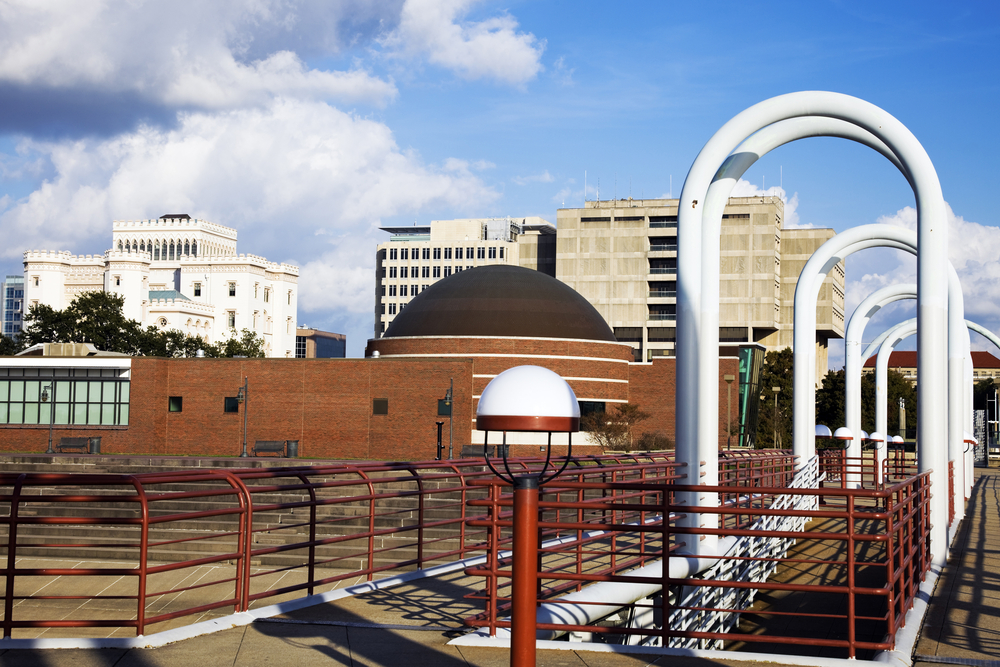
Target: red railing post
[522, 648]
[8, 599]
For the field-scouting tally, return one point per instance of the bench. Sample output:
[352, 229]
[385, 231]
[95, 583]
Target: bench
[276, 447]
[74, 444]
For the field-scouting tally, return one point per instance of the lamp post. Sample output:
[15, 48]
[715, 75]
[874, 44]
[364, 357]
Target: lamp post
[449, 401]
[52, 405]
[241, 397]
[729, 407]
[776, 391]
[533, 399]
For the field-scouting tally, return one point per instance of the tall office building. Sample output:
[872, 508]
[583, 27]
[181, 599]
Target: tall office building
[622, 256]
[12, 307]
[414, 258]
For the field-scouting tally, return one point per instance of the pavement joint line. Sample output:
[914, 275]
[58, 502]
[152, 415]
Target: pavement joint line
[361, 624]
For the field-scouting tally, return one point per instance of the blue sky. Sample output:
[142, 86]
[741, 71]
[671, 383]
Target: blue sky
[307, 125]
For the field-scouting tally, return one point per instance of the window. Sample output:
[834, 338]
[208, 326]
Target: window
[267, 294]
[501, 253]
[458, 253]
[590, 407]
[231, 404]
[392, 309]
[175, 404]
[423, 287]
[447, 255]
[426, 253]
[468, 253]
[194, 248]
[380, 406]
[458, 269]
[300, 347]
[437, 253]
[96, 397]
[197, 289]
[392, 290]
[437, 271]
[425, 272]
[118, 281]
[413, 290]
[480, 253]
[447, 271]
[393, 253]
[231, 319]
[289, 297]
[256, 289]
[392, 271]
[403, 271]
[36, 281]
[404, 253]
[493, 253]
[232, 289]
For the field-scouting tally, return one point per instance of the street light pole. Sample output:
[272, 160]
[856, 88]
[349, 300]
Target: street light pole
[776, 391]
[52, 405]
[242, 397]
[729, 407]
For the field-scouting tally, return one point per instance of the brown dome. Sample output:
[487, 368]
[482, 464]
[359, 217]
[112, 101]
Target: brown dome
[501, 301]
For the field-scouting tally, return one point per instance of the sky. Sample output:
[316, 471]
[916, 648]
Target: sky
[307, 125]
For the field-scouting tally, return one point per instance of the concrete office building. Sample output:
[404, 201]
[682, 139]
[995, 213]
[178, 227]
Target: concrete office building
[180, 273]
[12, 306]
[414, 258]
[622, 257]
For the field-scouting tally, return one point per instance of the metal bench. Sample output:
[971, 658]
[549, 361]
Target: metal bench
[276, 447]
[74, 444]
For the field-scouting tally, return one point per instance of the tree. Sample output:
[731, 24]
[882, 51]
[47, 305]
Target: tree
[774, 428]
[615, 430]
[10, 345]
[246, 344]
[830, 401]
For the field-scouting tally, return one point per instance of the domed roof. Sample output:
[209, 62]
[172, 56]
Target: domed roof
[501, 301]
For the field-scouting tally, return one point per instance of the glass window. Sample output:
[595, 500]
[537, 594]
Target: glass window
[437, 271]
[447, 255]
[393, 253]
[458, 253]
[413, 290]
[437, 253]
[426, 253]
[231, 319]
[468, 253]
[493, 253]
[403, 272]
[404, 253]
[380, 406]
[447, 271]
[197, 289]
[425, 272]
[392, 290]
[392, 309]
[480, 253]
[392, 271]
[232, 289]
[231, 404]
[501, 253]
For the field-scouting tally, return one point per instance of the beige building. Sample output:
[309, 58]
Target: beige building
[414, 258]
[622, 256]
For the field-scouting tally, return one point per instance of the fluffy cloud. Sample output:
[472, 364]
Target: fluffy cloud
[544, 177]
[744, 188]
[301, 181]
[489, 49]
[183, 54]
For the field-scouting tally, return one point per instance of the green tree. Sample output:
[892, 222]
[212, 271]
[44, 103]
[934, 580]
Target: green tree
[774, 428]
[830, 401]
[10, 345]
[245, 344]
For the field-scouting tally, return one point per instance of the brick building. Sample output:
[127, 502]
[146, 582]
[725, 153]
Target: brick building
[460, 332]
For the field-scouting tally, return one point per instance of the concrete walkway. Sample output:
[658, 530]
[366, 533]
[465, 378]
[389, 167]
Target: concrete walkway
[962, 626]
[411, 624]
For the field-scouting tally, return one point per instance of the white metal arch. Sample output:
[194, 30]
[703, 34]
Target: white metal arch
[698, 270]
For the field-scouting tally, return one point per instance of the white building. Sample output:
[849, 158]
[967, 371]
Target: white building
[414, 258]
[176, 272]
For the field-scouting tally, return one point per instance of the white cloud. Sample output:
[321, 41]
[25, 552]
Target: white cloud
[300, 181]
[744, 188]
[544, 177]
[185, 53]
[488, 49]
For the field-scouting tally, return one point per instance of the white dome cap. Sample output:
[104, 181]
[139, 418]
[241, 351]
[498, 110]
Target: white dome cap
[823, 431]
[876, 437]
[843, 433]
[898, 440]
[528, 398]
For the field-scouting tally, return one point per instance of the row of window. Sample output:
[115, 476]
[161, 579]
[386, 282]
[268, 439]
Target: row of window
[391, 289]
[425, 272]
[68, 401]
[425, 253]
[168, 251]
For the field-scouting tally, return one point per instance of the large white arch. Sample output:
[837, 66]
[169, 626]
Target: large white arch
[698, 273]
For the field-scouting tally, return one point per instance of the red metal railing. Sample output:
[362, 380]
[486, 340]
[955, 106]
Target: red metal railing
[307, 528]
[866, 551]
